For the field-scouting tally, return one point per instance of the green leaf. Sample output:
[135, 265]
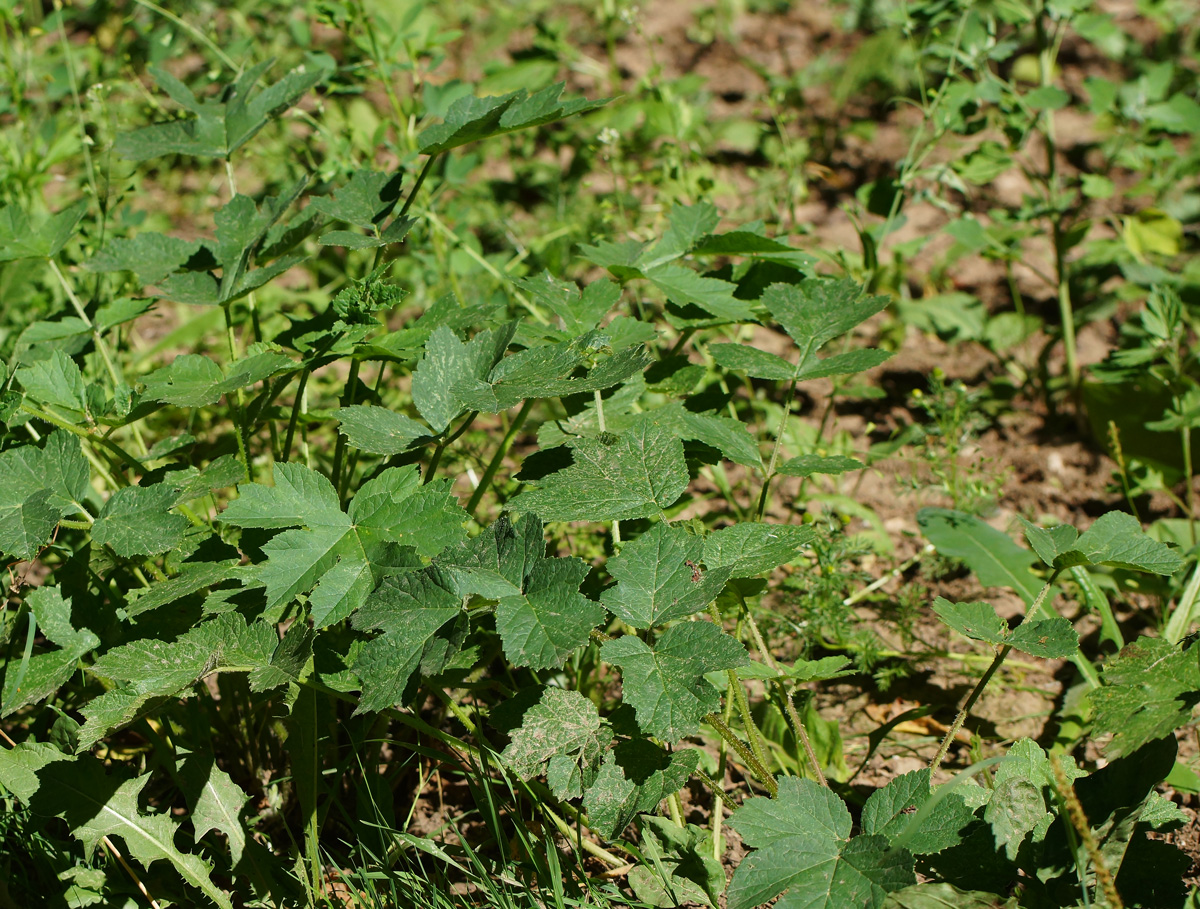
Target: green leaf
[153, 670]
[550, 619]
[333, 551]
[666, 684]
[1149, 691]
[750, 549]
[150, 256]
[807, 465]
[548, 371]
[364, 201]
[659, 578]
[215, 801]
[727, 435]
[803, 850]
[683, 286]
[996, 560]
[470, 119]
[888, 812]
[564, 727]
[1015, 809]
[756, 363]
[1051, 639]
[224, 123]
[57, 384]
[1115, 539]
[681, 867]
[48, 671]
[639, 473]
[580, 312]
[635, 777]
[19, 766]
[688, 225]
[378, 430]
[96, 803]
[496, 563]
[817, 310]
[23, 238]
[448, 364]
[412, 609]
[189, 380]
[138, 521]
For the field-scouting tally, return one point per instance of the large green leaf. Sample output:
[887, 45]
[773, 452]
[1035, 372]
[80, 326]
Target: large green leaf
[1115, 539]
[138, 521]
[749, 549]
[224, 123]
[331, 552]
[889, 810]
[96, 802]
[377, 430]
[37, 487]
[636, 775]
[1052, 639]
[803, 851]
[215, 800]
[49, 670]
[450, 364]
[634, 475]
[148, 255]
[470, 119]
[364, 201]
[563, 729]
[56, 384]
[550, 618]
[22, 237]
[665, 683]
[660, 579]
[1150, 690]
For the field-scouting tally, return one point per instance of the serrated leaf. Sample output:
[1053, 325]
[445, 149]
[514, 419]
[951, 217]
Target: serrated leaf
[749, 549]
[801, 808]
[727, 435]
[665, 684]
[365, 200]
[563, 726]
[636, 775]
[660, 579]
[189, 380]
[96, 803]
[1150, 689]
[496, 563]
[57, 384]
[19, 766]
[150, 256]
[1015, 808]
[1047, 638]
[215, 800]
[378, 430]
[47, 671]
[639, 473]
[223, 123]
[138, 521]
[945, 896]
[1116, 539]
[759, 364]
[688, 224]
[549, 371]
[807, 465]
[470, 119]
[24, 238]
[683, 286]
[580, 311]
[996, 560]
[817, 310]
[448, 364]
[411, 609]
[888, 812]
[550, 619]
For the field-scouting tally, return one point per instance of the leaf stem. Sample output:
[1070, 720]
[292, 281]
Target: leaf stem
[339, 449]
[966, 707]
[770, 473]
[749, 759]
[489, 473]
[802, 734]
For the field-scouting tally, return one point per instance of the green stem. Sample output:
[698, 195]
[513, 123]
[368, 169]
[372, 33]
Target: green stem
[339, 450]
[97, 338]
[802, 735]
[748, 759]
[770, 474]
[441, 446]
[237, 408]
[191, 30]
[489, 473]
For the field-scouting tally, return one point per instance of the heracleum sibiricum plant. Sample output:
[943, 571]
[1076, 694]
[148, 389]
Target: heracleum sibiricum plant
[194, 615]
